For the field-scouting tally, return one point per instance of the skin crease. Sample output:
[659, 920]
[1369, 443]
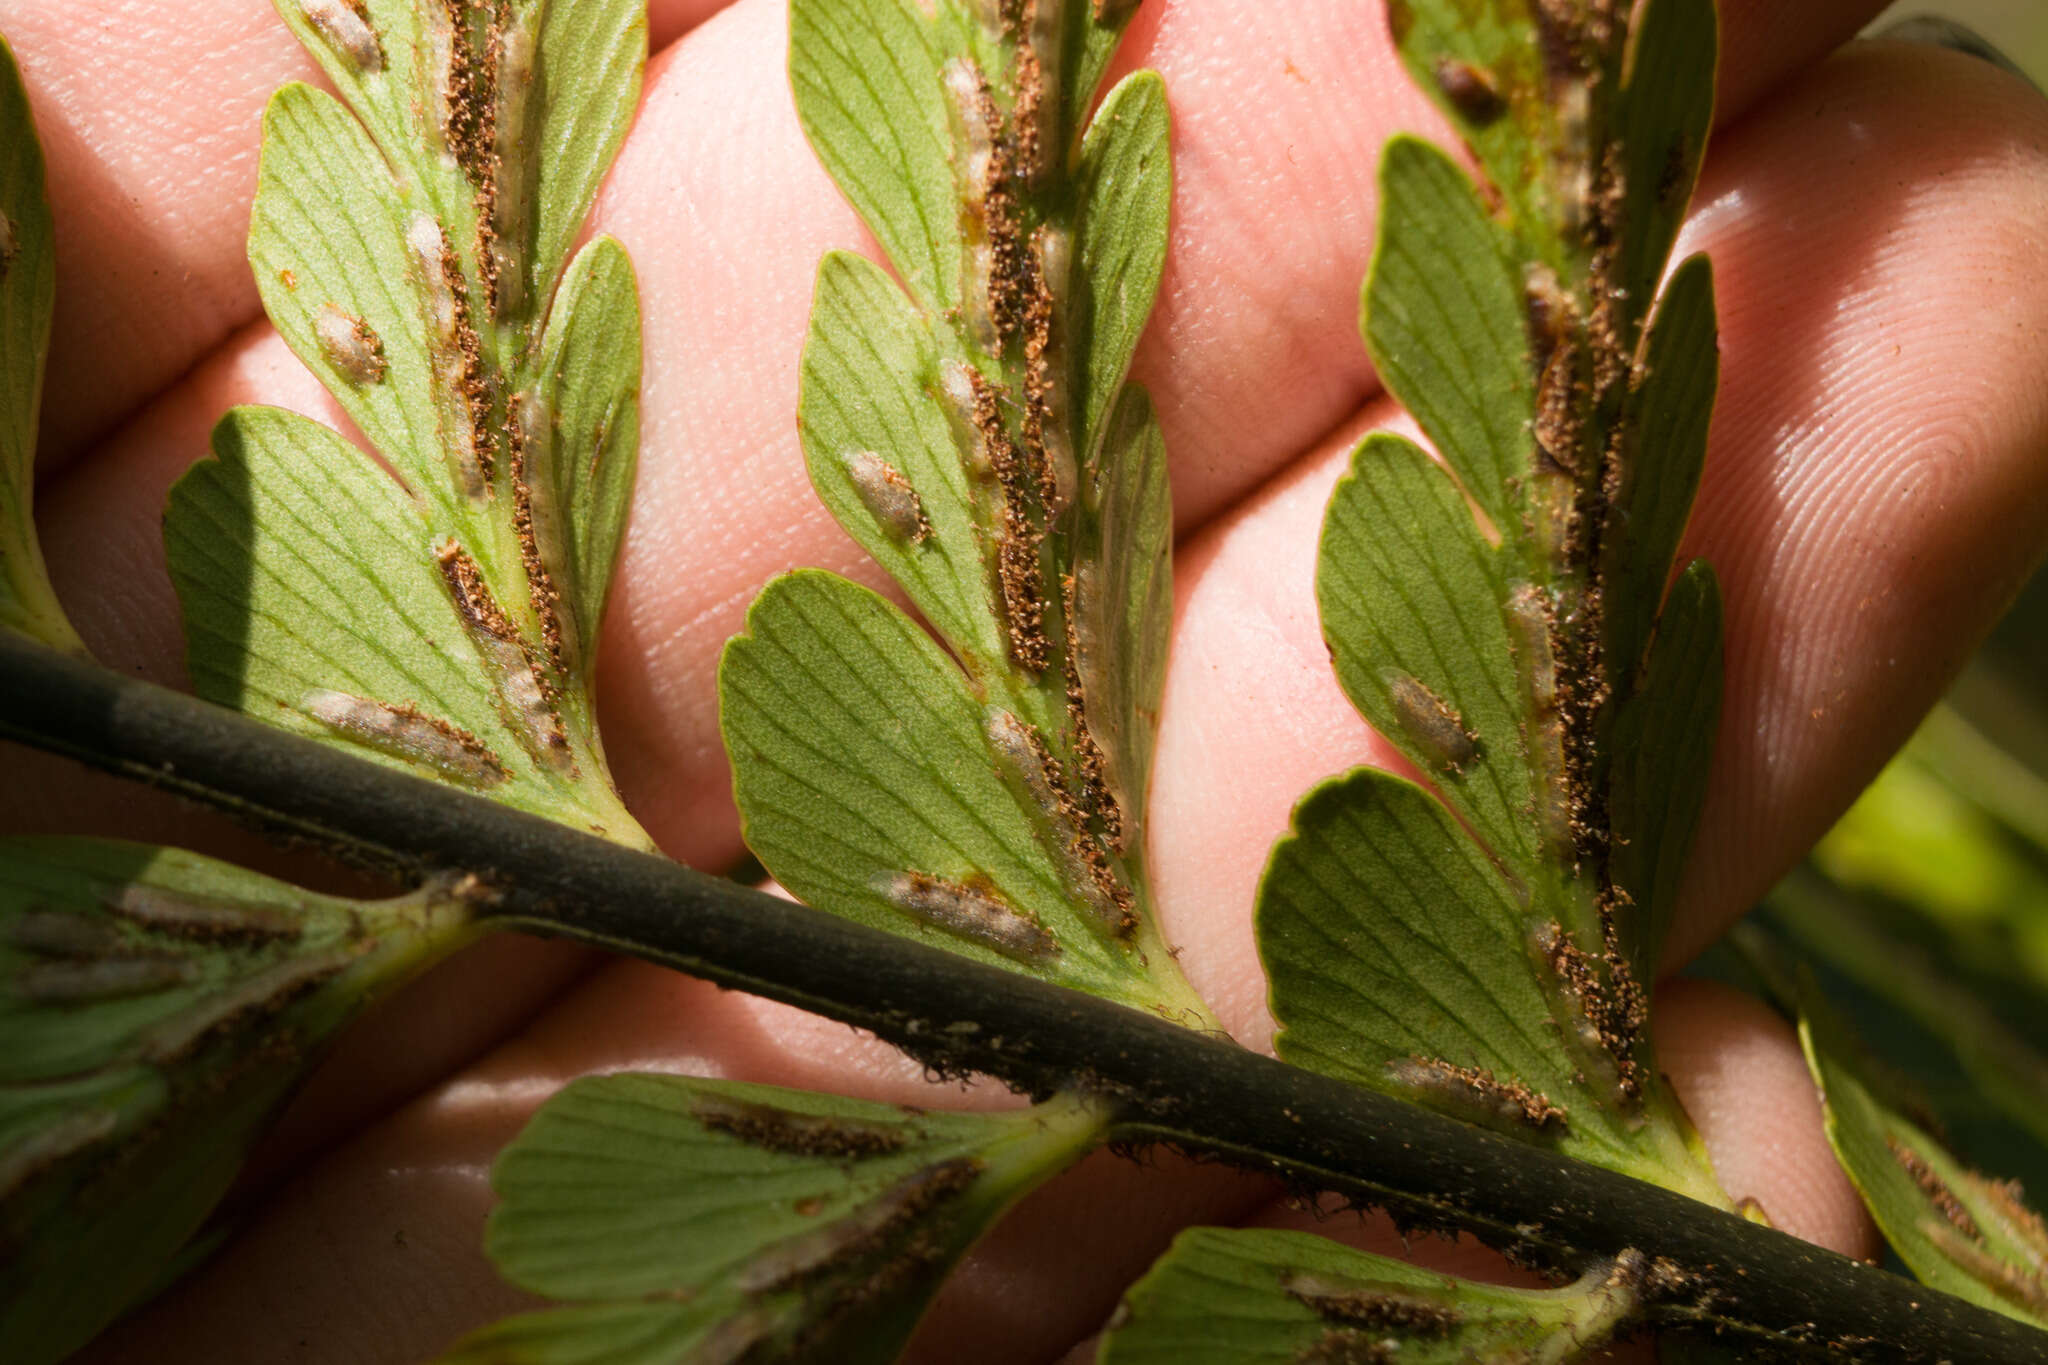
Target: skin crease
[1871, 499]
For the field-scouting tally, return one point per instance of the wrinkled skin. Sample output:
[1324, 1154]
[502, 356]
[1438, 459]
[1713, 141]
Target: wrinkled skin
[1873, 496]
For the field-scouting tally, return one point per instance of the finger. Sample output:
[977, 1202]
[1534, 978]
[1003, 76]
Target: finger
[150, 117]
[1738, 1068]
[1875, 496]
[1872, 494]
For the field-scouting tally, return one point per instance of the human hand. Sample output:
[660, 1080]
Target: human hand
[1870, 501]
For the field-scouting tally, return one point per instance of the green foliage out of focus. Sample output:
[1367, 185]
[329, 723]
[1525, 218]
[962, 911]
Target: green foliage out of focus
[2019, 28]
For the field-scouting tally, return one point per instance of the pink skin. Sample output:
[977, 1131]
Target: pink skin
[1872, 497]
[149, 115]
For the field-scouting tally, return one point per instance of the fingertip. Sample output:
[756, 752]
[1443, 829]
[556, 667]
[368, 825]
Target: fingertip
[668, 20]
[1873, 495]
[1738, 1067]
[1764, 40]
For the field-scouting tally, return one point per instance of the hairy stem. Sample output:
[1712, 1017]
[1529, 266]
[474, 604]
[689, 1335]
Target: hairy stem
[1785, 1298]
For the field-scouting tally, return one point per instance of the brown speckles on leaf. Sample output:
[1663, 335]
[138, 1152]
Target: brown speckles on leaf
[531, 702]
[1027, 762]
[1476, 1093]
[1024, 761]
[2020, 1285]
[1531, 621]
[990, 217]
[1613, 1008]
[959, 394]
[1097, 794]
[466, 42]
[988, 210]
[513, 51]
[1017, 535]
[1090, 876]
[1007, 263]
[1039, 55]
[1030, 116]
[1934, 1188]
[1558, 416]
[1561, 33]
[1113, 902]
[403, 731]
[1046, 434]
[863, 1234]
[439, 53]
[1017, 569]
[473, 597]
[1348, 1346]
[1470, 89]
[544, 596]
[464, 102]
[462, 391]
[872, 1255]
[1370, 1307]
[1611, 349]
[797, 1134]
[243, 1007]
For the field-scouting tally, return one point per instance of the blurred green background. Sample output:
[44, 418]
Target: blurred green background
[2018, 27]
